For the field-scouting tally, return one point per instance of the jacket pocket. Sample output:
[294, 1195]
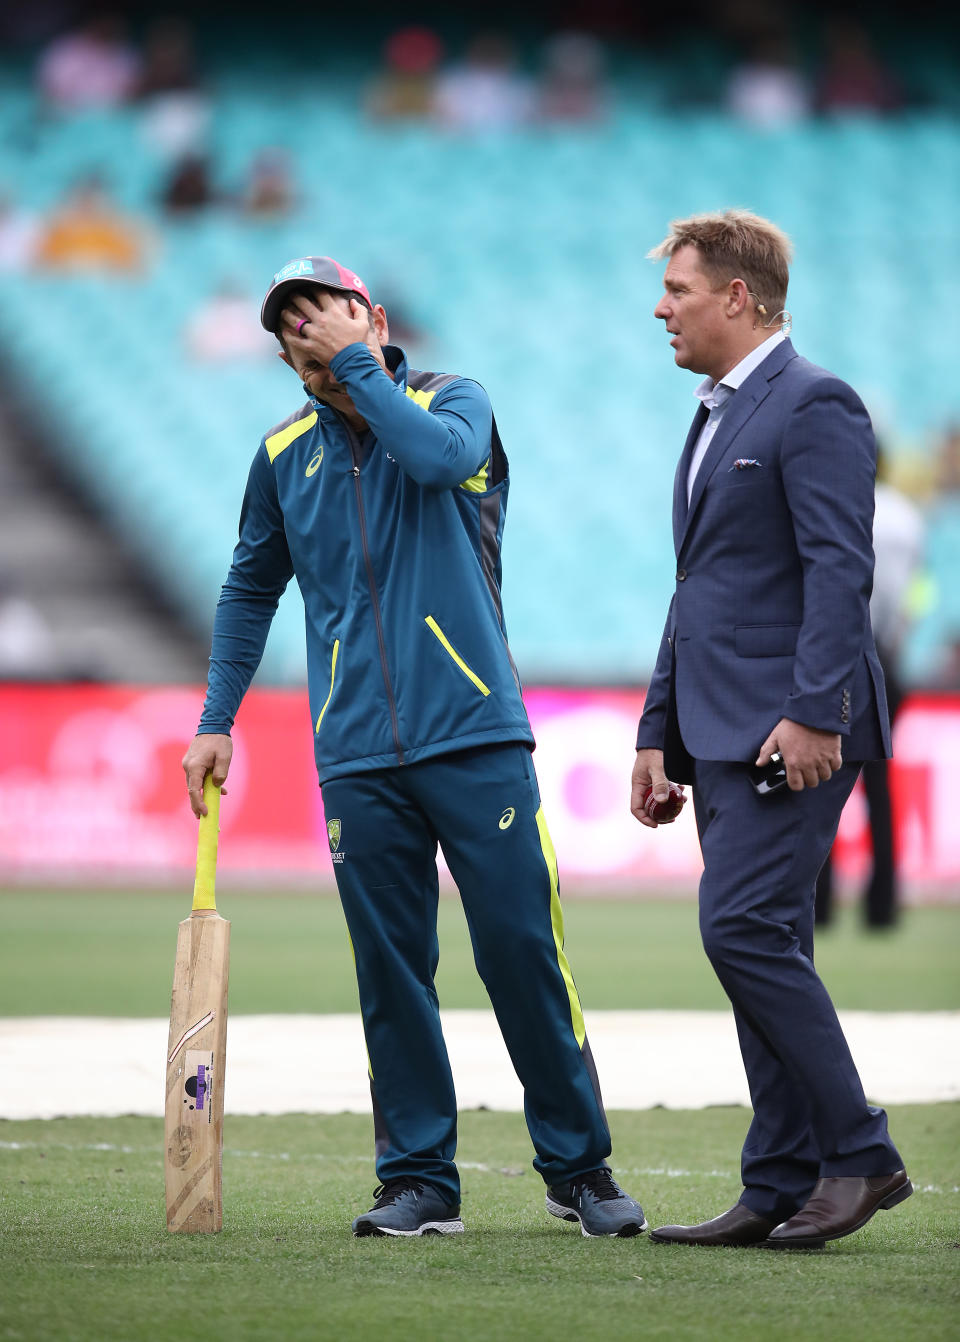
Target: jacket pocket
[766, 640]
[333, 676]
[454, 655]
[740, 480]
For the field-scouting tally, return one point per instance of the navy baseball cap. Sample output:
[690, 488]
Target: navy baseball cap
[320, 270]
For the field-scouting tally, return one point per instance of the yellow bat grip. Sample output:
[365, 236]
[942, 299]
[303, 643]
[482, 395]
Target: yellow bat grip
[204, 887]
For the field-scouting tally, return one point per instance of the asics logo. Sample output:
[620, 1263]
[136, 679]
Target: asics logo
[506, 820]
[314, 463]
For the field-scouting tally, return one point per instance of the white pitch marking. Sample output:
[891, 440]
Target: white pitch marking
[317, 1064]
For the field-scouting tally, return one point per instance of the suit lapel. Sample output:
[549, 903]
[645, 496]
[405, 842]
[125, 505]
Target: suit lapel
[683, 470]
[739, 409]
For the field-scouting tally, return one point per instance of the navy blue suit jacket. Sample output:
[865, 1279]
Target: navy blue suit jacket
[770, 617]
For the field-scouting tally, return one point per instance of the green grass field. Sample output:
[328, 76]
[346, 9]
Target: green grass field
[84, 1255]
[83, 1250]
[112, 954]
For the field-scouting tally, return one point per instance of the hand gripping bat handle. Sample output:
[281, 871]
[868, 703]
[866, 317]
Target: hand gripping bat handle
[204, 886]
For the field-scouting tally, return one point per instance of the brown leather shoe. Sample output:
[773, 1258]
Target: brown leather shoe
[736, 1228]
[838, 1207]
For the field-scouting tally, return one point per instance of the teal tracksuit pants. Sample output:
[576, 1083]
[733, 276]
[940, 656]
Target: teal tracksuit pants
[482, 806]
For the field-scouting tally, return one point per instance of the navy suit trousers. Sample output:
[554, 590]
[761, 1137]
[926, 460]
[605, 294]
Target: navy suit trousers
[761, 859]
[483, 807]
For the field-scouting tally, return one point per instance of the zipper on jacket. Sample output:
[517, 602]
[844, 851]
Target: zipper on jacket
[373, 595]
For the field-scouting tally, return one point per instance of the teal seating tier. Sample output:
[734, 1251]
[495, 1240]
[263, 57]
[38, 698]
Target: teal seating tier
[521, 260]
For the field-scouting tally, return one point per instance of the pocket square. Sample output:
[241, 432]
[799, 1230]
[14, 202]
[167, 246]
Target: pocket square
[746, 464]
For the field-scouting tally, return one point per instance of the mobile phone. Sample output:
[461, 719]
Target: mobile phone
[769, 777]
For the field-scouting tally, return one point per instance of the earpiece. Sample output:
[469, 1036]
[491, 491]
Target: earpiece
[786, 322]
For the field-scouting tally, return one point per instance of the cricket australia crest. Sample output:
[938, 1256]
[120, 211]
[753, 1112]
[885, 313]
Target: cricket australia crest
[333, 834]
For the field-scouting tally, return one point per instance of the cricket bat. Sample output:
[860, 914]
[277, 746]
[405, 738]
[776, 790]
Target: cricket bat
[197, 1046]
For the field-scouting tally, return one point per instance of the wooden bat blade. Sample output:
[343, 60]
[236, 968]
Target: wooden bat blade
[196, 1059]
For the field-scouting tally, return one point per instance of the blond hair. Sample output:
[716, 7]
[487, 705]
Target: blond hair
[735, 244]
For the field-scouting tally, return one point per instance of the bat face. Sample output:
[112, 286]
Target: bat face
[196, 1056]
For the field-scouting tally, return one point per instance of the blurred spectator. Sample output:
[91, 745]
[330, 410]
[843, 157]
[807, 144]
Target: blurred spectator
[189, 186]
[270, 191]
[854, 78]
[28, 650]
[94, 66]
[898, 542]
[573, 86]
[768, 88]
[948, 462]
[406, 86]
[485, 91]
[947, 673]
[176, 111]
[226, 326]
[19, 233]
[88, 231]
[169, 62]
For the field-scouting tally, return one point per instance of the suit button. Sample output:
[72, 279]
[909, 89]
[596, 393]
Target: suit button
[681, 575]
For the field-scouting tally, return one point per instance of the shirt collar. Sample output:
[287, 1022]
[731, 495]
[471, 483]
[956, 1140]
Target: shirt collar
[738, 373]
[396, 361]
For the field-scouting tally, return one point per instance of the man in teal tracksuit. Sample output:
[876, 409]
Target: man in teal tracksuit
[385, 496]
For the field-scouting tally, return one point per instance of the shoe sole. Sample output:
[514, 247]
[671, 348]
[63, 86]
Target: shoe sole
[818, 1241]
[707, 1244]
[367, 1228]
[568, 1214]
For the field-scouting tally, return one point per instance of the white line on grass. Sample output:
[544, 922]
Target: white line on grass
[230, 1153]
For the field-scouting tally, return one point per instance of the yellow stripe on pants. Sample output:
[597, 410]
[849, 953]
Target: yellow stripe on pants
[556, 919]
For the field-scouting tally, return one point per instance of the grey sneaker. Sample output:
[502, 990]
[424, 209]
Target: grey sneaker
[408, 1206]
[598, 1203]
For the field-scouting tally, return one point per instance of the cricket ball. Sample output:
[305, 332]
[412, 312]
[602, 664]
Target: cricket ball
[664, 811]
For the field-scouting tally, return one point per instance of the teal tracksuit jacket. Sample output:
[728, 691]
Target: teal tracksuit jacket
[394, 538]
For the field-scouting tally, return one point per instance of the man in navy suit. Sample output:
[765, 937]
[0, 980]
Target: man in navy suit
[768, 651]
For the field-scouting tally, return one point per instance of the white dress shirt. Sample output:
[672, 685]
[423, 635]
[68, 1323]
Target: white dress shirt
[715, 396]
